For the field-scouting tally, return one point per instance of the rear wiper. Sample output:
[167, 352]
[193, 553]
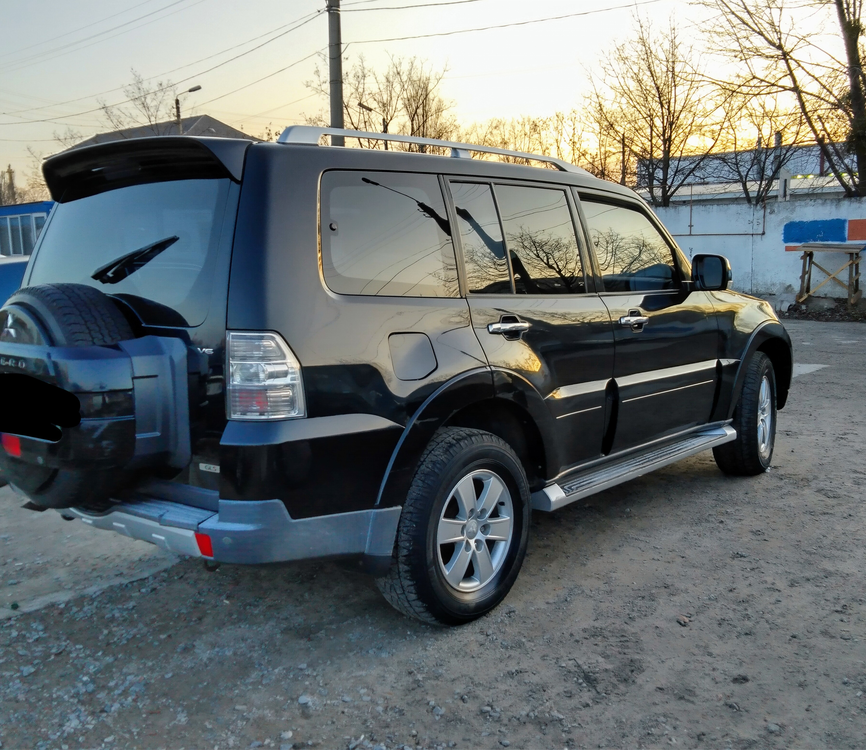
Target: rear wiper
[120, 268]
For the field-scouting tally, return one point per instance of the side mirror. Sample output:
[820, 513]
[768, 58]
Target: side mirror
[711, 273]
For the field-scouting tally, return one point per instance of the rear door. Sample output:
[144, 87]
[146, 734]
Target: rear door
[667, 338]
[530, 305]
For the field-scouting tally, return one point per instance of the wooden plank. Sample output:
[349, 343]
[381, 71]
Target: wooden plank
[831, 276]
[803, 291]
[833, 247]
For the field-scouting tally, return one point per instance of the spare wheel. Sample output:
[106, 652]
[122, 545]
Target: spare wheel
[62, 315]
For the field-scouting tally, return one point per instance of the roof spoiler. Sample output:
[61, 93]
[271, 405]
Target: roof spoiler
[87, 171]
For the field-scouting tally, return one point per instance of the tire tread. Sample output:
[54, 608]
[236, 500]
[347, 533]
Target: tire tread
[740, 456]
[398, 586]
[85, 315]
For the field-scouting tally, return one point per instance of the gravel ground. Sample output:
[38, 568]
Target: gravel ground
[684, 608]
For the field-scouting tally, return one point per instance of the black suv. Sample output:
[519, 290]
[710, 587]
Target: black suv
[289, 350]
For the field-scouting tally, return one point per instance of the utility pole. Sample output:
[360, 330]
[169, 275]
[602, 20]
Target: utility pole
[335, 67]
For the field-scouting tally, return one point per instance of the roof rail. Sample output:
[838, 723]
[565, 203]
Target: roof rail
[310, 136]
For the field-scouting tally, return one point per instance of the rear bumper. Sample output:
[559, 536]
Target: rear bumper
[251, 532]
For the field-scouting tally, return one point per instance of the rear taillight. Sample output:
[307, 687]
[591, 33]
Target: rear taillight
[264, 377]
[12, 445]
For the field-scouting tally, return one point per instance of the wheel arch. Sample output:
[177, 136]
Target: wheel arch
[514, 425]
[779, 353]
[771, 339]
[499, 402]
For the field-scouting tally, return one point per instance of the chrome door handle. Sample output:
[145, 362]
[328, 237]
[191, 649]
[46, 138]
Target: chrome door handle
[634, 320]
[506, 328]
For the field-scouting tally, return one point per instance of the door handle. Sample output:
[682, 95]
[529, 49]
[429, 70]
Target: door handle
[518, 326]
[634, 320]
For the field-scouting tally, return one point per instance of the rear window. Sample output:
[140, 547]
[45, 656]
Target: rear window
[86, 234]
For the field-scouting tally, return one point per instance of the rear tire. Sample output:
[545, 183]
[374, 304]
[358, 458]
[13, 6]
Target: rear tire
[463, 531]
[755, 422]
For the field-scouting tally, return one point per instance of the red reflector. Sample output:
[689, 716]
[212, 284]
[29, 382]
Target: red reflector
[204, 544]
[12, 445]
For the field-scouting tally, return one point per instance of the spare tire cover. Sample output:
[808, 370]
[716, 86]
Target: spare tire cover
[68, 315]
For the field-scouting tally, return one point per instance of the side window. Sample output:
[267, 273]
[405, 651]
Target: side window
[542, 246]
[483, 248]
[386, 234]
[632, 255]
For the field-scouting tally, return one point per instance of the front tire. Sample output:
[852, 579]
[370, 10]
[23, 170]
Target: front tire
[463, 531]
[755, 422]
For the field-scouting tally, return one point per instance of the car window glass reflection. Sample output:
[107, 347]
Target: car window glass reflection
[631, 253]
[540, 236]
[481, 237]
[386, 234]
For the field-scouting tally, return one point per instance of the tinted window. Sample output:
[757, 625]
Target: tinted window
[386, 234]
[481, 237]
[541, 242]
[632, 255]
[89, 233]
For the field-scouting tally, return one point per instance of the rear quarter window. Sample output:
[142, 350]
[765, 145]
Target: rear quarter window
[386, 234]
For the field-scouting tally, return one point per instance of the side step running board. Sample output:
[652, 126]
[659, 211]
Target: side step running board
[600, 478]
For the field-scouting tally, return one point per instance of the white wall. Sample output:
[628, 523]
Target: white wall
[751, 238]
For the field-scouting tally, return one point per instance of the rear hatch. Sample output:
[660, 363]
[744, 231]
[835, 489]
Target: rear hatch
[179, 195]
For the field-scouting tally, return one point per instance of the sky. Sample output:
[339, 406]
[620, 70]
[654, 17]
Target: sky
[252, 58]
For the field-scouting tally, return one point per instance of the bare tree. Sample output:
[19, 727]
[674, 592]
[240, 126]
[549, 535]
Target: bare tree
[69, 137]
[526, 134]
[32, 188]
[150, 105]
[404, 98]
[760, 138]
[650, 99]
[811, 51]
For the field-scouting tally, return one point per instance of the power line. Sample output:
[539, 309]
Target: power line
[71, 31]
[49, 55]
[281, 106]
[188, 78]
[269, 75]
[410, 7]
[309, 16]
[508, 25]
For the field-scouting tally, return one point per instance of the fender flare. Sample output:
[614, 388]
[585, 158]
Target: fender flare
[465, 390]
[513, 387]
[774, 333]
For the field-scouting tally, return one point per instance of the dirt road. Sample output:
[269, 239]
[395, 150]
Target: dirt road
[682, 609]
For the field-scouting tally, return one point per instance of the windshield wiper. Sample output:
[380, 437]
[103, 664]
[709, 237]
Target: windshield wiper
[120, 268]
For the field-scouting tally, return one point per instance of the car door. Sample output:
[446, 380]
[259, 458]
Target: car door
[667, 338]
[530, 306]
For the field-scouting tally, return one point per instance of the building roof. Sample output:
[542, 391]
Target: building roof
[203, 125]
